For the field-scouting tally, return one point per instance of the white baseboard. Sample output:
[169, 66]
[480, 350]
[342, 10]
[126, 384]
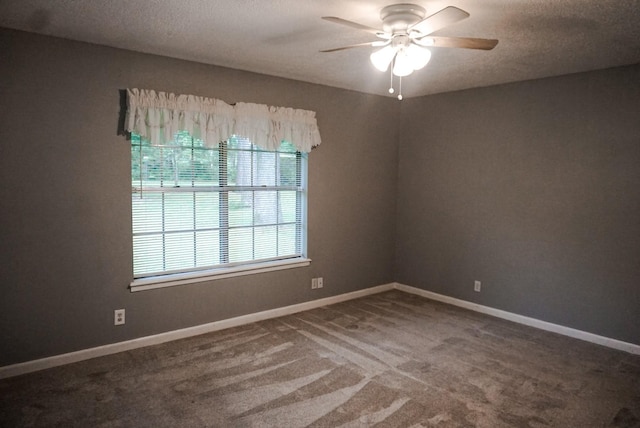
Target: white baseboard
[521, 319]
[85, 354]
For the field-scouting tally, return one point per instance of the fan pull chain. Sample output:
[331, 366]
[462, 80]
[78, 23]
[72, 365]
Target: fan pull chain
[391, 90]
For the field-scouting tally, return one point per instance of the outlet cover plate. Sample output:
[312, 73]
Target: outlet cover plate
[118, 317]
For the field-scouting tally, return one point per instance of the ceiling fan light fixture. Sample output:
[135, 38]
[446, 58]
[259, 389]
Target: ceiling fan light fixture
[403, 65]
[406, 36]
[418, 56]
[382, 57]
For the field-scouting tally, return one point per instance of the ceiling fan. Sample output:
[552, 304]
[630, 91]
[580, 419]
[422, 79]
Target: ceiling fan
[406, 35]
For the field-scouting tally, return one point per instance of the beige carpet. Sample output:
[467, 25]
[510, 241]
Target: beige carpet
[388, 360]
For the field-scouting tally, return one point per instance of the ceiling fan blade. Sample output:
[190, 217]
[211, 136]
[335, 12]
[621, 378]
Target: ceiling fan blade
[447, 16]
[458, 42]
[358, 45]
[352, 24]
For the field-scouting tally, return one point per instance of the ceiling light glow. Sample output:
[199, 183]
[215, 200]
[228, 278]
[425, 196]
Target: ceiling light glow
[383, 57]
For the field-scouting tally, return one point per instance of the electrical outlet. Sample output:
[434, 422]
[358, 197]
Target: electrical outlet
[118, 317]
[320, 284]
[314, 283]
[476, 286]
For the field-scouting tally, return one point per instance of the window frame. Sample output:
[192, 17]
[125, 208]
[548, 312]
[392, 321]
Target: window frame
[195, 275]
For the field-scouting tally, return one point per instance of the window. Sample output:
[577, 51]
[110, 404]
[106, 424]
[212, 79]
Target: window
[200, 211]
[207, 203]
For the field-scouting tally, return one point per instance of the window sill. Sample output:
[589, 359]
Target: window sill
[163, 281]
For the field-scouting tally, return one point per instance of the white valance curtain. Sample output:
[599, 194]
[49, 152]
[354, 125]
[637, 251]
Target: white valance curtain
[157, 116]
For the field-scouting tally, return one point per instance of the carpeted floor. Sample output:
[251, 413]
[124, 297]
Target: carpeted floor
[389, 360]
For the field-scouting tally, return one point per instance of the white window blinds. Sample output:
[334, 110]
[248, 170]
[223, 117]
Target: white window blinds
[197, 208]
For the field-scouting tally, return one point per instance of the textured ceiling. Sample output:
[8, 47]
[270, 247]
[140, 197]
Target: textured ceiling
[283, 37]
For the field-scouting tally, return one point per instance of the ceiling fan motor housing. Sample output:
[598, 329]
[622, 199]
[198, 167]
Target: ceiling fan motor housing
[397, 18]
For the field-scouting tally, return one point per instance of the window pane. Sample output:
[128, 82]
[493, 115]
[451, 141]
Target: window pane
[265, 207]
[288, 169]
[187, 216]
[240, 162]
[147, 212]
[265, 167]
[287, 212]
[179, 211]
[179, 251]
[148, 254]
[207, 210]
[287, 240]
[266, 242]
[240, 209]
[240, 245]
[207, 248]
[206, 166]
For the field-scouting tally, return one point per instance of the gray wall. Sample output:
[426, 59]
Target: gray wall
[65, 236]
[532, 188]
